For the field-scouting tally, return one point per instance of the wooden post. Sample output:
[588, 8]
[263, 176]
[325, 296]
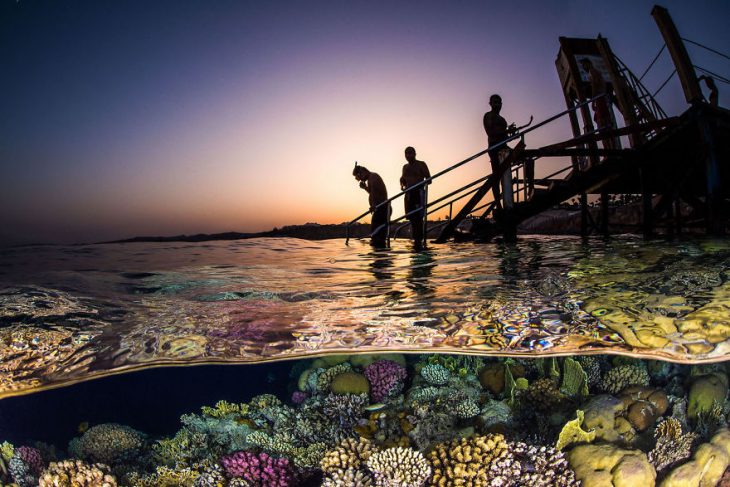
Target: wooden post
[604, 213]
[583, 215]
[625, 105]
[680, 57]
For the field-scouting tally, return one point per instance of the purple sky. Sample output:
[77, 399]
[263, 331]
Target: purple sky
[152, 117]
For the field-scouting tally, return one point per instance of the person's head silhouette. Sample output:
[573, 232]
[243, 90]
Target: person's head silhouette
[410, 154]
[495, 101]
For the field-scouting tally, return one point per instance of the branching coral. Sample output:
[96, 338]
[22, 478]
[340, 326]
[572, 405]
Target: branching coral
[399, 467]
[259, 470]
[349, 478]
[165, 477]
[349, 454]
[672, 445]
[76, 473]
[468, 461]
[542, 466]
[386, 379]
[346, 410]
[225, 408]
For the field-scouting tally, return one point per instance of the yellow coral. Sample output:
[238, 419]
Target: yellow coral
[350, 453]
[7, 451]
[466, 461]
[572, 432]
[225, 408]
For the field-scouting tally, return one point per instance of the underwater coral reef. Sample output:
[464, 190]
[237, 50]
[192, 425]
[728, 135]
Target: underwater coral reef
[392, 420]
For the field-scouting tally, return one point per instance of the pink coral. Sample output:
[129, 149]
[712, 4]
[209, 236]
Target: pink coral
[260, 470]
[299, 397]
[31, 457]
[386, 379]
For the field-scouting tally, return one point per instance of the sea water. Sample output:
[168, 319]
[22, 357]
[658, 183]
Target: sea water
[72, 313]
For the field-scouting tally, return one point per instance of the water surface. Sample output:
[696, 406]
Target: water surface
[69, 313]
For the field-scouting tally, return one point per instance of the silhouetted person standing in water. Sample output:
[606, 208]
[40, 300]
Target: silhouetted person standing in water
[414, 172]
[374, 185]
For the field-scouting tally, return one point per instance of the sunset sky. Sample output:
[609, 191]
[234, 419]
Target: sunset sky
[166, 117]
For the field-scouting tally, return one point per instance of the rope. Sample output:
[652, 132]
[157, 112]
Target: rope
[652, 62]
[708, 48]
[714, 75]
[664, 84]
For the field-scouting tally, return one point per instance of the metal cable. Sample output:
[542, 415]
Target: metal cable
[664, 84]
[652, 62]
[708, 48]
[713, 75]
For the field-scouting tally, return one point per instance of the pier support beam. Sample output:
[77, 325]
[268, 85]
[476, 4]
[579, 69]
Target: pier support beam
[604, 213]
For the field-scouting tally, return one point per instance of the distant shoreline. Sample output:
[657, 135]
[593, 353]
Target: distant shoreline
[559, 221]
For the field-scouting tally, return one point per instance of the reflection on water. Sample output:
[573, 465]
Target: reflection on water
[68, 313]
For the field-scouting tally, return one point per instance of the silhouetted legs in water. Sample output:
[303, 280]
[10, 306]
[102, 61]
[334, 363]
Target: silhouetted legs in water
[379, 227]
[414, 200]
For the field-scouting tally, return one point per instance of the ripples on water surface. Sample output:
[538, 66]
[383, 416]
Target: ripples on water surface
[73, 312]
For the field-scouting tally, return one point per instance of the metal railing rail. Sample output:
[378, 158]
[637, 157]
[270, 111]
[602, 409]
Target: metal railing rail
[515, 136]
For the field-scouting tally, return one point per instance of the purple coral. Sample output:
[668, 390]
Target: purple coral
[386, 379]
[299, 397]
[31, 457]
[260, 470]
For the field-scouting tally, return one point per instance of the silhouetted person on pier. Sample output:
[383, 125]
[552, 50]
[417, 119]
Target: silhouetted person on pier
[714, 97]
[498, 131]
[415, 171]
[374, 185]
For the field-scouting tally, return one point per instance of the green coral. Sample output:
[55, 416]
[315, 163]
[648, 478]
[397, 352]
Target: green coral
[225, 408]
[575, 379]
[7, 451]
[572, 432]
[165, 477]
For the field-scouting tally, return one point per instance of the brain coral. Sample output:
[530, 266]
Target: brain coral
[111, 444]
[399, 467]
[468, 461]
[386, 379]
[76, 473]
[619, 378]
